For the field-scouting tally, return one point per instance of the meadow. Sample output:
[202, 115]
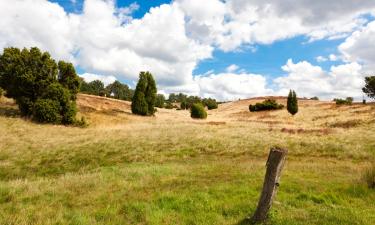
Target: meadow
[171, 169]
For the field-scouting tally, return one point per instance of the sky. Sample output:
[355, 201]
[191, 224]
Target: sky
[225, 49]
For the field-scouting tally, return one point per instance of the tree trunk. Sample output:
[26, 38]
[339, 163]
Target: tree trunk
[274, 165]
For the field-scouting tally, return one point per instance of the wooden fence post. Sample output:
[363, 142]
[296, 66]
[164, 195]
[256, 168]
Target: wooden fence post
[274, 165]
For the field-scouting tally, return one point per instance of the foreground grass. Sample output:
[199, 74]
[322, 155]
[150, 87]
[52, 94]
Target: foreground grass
[127, 170]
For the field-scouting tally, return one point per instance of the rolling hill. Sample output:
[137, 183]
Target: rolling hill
[171, 169]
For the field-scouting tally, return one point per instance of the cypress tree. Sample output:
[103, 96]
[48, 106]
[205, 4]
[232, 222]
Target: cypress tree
[144, 98]
[292, 103]
[150, 93]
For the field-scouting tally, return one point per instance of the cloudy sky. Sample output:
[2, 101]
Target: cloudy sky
[227, 49]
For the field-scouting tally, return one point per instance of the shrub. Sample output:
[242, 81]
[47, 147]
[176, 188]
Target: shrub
[197, 111]
[347, 101]
[1, 92]
[292, 103]
[315, 98]
[268, 104]
[47, 111]
[369, 176]
[210, 103]
[144, 98]
[169, 105]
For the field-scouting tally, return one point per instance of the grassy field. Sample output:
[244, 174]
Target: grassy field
[171, 169]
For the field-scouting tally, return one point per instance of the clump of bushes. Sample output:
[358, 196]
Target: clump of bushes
[198, 111]
[314, 98]
[44, 90]
[347, 101]
[268, 104]
[369, 176]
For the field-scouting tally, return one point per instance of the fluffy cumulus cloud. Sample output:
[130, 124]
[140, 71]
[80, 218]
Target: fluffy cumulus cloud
[309, 80]
[229, 86]
[360, 46]
[172, 39]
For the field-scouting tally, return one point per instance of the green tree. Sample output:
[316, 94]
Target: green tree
[68, 78]
[41, 90]
[369, 88]
[25, 75]
[120, 91]
[150, 93]
[160, 100]
[292, 103]
[144, 98]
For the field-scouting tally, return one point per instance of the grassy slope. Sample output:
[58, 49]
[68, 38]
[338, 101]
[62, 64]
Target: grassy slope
[170, 169]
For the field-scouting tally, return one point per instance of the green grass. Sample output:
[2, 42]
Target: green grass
[148, 171]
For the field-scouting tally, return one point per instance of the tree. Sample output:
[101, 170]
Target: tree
[42, 92]
[95, 87]
[25, 75]
[118, 90]
[160, 100]
[68, 78]
[150, 93]
[292, 103]
[369, 88]
[144, 98]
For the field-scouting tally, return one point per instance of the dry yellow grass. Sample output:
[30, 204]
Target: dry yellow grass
[171, 169]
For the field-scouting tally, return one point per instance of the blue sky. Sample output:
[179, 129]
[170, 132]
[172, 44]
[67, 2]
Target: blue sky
[226, 49]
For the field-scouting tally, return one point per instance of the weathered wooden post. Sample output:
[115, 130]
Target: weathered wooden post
[274, 165]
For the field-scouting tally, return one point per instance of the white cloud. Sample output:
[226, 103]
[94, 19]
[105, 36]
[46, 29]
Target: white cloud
[39, 23]
[321, 59]
[308, 80]
[359, 47]
[232, 68]
[231, 24]
[230, 86]
[333, 57]
[88, 77]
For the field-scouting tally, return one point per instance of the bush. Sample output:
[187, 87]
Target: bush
[210, 103]
[369, 176]
[347, 101]
[197, 111]
[268, 104]
[47, 111]
[1, 92]
[315, 98]
[169, 105]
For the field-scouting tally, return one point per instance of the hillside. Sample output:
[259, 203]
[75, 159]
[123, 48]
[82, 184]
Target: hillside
[171, 169]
